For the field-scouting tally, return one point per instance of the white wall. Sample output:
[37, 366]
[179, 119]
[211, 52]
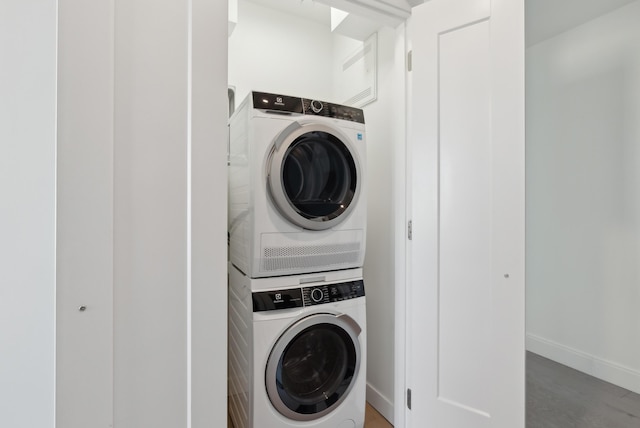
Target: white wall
[27, 216]
[385, 137]
[583, 197]
[274, 51]
[548, 18]
[385, 133]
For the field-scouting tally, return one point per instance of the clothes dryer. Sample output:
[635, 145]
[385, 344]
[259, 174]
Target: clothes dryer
[297, 350]
[297, 191]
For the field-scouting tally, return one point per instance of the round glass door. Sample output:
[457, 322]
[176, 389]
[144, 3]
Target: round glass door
[313, 176]
[312, 368]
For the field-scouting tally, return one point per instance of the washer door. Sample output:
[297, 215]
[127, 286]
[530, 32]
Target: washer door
[313, 175]
[313, 366]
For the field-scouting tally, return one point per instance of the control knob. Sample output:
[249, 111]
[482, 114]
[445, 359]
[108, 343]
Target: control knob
[316, 106]
[317, 295]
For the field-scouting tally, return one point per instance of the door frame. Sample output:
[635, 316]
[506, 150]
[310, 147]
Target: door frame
[394, 13]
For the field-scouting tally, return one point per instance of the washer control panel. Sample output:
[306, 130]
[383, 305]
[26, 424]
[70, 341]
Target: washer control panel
[306, 296]
[316, 295]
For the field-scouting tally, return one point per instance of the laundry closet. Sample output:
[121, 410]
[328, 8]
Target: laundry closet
[289, 48]
[141, 178]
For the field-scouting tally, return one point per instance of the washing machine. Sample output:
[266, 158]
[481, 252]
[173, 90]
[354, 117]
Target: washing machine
[297, 350]
[297, 191]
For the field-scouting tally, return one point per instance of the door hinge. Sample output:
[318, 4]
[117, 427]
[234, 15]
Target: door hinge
[410, 230]
[409, 398]
[409, 60]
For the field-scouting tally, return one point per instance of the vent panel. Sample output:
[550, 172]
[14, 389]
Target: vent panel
[357, 75]
[312, 256]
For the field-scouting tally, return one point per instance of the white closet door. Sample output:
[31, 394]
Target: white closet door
[465, 356]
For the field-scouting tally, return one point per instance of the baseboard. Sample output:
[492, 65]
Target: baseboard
[380, 403]
[608, 371]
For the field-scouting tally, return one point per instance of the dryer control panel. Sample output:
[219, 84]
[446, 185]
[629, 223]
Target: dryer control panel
[284, 104]
[306, 296]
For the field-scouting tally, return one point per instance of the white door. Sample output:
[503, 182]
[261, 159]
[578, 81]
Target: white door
[465, 300]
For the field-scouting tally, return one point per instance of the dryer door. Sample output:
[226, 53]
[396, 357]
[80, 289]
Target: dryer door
[313, 175]
[313, 366]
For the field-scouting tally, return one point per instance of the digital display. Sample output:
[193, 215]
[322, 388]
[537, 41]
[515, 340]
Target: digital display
[346, 290]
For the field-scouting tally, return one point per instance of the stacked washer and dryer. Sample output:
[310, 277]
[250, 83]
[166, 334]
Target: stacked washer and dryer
[297, 229]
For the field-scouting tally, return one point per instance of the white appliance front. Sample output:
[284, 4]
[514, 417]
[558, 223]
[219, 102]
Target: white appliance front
[297, 193]
[297, 351]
